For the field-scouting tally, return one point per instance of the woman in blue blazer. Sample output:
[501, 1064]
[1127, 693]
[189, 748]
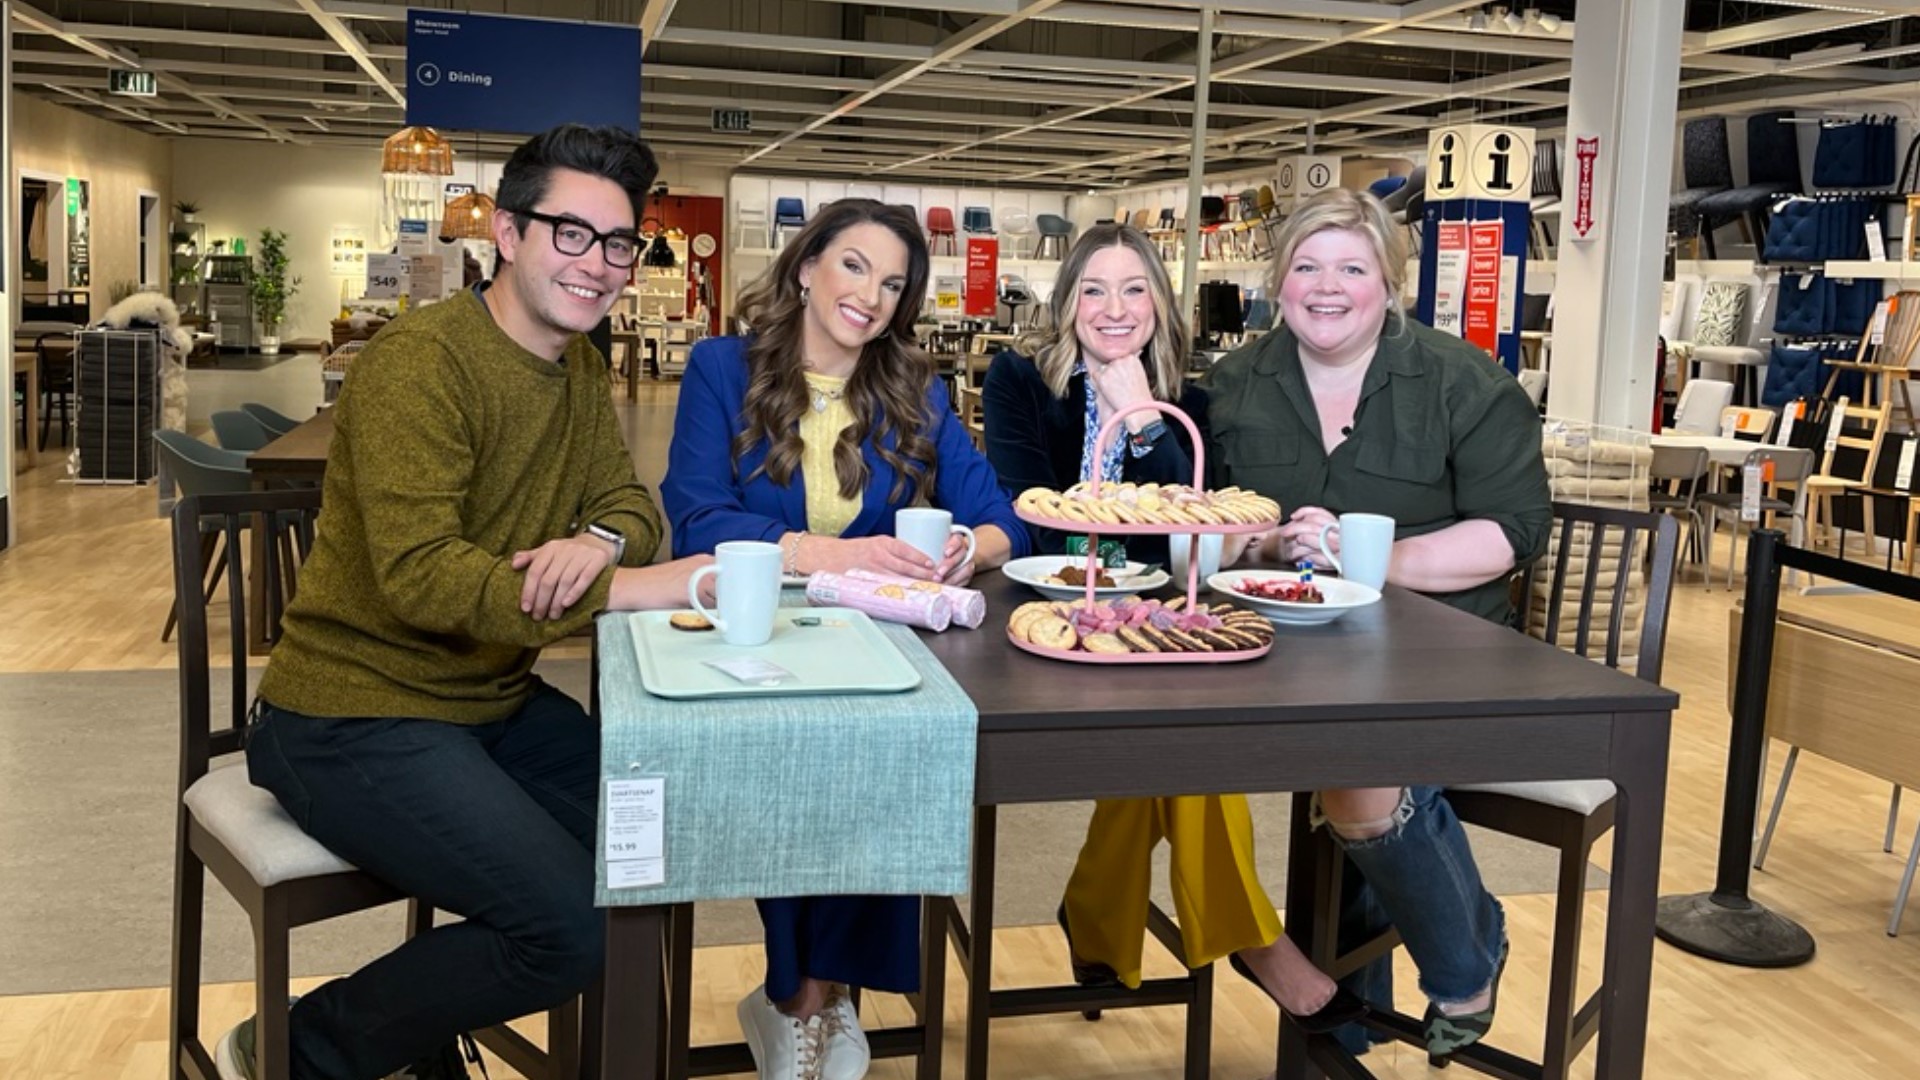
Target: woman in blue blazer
[811, 433]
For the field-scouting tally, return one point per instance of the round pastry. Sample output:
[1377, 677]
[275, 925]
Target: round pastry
[1104, 643]
[1052, 632]
[691, 621]
[1136, 639]
[1023, 617]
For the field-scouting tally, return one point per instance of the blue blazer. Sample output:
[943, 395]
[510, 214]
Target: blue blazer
[708, 502]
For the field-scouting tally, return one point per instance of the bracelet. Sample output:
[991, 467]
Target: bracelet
[793, 553]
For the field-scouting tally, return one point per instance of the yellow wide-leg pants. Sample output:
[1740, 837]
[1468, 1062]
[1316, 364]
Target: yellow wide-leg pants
[1217, 896]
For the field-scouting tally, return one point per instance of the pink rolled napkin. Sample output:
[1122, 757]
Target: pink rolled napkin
[969, 605]
[881, 599]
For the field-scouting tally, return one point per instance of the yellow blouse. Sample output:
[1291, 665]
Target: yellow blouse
[827, 415]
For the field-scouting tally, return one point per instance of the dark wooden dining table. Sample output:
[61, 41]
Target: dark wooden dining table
[1407, 691]
[299, 456]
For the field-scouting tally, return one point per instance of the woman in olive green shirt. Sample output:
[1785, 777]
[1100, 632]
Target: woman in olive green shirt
[1351, 407]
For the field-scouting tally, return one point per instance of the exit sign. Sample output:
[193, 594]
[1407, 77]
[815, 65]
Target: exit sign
[733, 120]
[132, 83]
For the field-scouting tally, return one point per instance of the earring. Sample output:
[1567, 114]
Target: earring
[804, 293]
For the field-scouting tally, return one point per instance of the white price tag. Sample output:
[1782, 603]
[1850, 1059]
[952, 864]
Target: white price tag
[1834, 425]
[636, 832]
[1807, 280]
[1903, 477]
[385, 276]
[1877, 330]
[1729, 423]
[1750, 484]
[1784, 436]
[1876, 244]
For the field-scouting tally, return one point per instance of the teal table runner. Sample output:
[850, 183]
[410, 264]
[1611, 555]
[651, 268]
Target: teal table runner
[794, 796]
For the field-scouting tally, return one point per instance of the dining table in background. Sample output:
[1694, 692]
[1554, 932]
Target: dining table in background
[26, 370]
[298, 457]
[1407, 691]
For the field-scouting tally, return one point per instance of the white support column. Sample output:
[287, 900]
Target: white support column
[1197, 164]
[1606, 324]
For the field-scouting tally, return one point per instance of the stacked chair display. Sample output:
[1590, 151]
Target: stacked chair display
[1845, 470]
[1719, 337]
[1773, 170]
[1708, 168]
[280, 876]
[940, 227]
[1056, 235]
[788, 213]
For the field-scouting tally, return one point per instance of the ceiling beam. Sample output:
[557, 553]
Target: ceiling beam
[230, 40]
[100, 103]
[351, 44]
[34, 19]
[955, 45]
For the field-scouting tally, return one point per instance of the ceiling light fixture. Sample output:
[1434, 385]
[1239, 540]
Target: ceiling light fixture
[1477, 21]
[1844, 54]
[417, 150]
[1513, 23]
[1548, 21]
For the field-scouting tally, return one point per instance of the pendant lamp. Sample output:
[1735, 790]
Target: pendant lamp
[417, 150]
[468, 217]
[659, 253]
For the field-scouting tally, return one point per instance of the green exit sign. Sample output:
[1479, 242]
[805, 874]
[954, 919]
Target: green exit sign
[733, 120]
[132, 83]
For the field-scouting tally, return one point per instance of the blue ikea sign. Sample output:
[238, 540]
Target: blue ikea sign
[501, 73]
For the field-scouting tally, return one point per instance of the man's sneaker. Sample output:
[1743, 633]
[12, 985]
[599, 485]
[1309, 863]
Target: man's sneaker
[784, 1047]
[847, 1055]
[233, 1055]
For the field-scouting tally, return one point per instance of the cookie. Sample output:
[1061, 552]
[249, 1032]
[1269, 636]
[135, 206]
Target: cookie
[1136, 639]
[1238, 639]
[1188, 642]
[1104, 643]
[1052, 632]
[1023, 617]
[691, 621]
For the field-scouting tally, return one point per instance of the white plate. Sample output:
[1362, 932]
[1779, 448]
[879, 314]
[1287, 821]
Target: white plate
[1341, 596]
[1034, 570]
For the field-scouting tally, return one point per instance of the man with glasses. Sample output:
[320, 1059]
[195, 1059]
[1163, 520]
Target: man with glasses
[479, 504]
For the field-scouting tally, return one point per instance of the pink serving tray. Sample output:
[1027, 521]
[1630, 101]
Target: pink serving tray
[1101, 528]
[1080, 657]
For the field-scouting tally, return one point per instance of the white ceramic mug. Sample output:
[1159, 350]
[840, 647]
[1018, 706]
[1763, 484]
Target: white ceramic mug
[1180, 552]
[749, 589]
[1366, 547]
[926, 529]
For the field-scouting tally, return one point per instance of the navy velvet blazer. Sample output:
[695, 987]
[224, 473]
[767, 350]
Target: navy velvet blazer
[708, 501]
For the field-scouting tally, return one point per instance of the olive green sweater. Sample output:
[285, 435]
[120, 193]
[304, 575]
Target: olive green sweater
[453, 448]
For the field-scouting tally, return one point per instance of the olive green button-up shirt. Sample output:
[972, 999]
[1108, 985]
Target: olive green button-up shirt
[1441, 434]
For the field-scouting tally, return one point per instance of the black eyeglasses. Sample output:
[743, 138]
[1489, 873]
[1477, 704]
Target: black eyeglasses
[572, 236]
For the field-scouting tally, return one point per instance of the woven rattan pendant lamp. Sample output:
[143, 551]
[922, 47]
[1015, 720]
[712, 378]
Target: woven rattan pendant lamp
[420, 150]
[468, 217]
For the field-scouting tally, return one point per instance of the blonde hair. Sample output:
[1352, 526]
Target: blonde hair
[1354, 211]
[1056, 349]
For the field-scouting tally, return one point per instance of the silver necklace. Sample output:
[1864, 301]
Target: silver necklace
[821, 397]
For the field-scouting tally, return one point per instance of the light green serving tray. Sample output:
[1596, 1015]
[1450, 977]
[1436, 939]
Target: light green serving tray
[845, 654]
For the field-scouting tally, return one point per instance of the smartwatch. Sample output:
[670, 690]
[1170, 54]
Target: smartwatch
[618, 541]
[1141, 442]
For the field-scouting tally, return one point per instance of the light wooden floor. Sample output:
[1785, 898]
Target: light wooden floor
[87, 590]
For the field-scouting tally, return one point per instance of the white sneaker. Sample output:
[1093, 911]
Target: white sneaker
[847, 1056]
[784, 1048]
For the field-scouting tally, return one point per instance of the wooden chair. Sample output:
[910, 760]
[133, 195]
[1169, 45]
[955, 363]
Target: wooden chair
[281, 877]
[1886, 367]
[1847, 467]
[1598, 552]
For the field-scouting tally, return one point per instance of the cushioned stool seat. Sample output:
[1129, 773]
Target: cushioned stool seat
[249, 822]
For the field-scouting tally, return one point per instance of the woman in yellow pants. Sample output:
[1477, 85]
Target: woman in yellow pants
[1218, 901]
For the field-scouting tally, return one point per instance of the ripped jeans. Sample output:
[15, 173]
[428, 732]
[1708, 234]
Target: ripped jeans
[1419, 877]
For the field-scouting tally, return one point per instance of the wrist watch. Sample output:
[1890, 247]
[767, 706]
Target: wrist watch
[611, 536]
[1142, 441]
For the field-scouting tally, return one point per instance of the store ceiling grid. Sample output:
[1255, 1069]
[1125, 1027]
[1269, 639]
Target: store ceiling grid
[1027, 93]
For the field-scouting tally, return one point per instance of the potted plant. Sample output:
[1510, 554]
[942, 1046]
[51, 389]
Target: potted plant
[271, 287]
[188, 210]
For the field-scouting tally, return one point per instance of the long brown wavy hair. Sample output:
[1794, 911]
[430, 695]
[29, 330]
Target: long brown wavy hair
[888, 389]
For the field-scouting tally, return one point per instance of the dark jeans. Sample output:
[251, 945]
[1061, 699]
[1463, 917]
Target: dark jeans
[494, 823]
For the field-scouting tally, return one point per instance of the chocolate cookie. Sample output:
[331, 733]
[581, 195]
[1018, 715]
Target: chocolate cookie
[691, 621]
